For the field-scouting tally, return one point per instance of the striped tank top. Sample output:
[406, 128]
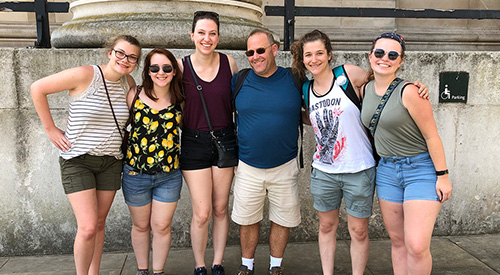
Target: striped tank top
[91, 128]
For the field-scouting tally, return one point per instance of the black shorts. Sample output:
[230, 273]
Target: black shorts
[198, 150]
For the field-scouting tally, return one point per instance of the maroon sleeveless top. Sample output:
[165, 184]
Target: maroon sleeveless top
[217, 94]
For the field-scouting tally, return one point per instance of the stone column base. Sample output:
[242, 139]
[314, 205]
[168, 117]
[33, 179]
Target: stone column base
[155, 23]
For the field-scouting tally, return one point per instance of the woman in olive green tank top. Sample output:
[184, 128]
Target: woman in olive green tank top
[412, 179]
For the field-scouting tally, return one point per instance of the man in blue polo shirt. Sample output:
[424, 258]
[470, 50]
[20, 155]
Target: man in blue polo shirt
[268, 106]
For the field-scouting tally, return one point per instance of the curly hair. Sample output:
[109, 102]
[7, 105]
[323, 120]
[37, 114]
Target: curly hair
[297, 50]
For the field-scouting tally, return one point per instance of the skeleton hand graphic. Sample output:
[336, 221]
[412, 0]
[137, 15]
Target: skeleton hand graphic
[329, 131]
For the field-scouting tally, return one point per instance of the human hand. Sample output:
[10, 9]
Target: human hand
[423, 92]
[57, 137]
[443, 188]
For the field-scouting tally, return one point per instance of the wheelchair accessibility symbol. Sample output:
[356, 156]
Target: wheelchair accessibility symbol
[445, 95]
[453, 87]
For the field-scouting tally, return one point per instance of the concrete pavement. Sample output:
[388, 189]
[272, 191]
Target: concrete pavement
[468, 255]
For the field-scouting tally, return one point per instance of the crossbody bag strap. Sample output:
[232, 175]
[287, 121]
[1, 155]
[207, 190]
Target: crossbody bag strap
[376, 116]
[130, 120]
[109, 100]
[199, 88]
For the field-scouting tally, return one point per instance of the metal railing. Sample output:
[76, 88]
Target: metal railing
[41, 8]
[290, 11]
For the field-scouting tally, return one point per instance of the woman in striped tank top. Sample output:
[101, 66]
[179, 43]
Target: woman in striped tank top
[90, 155]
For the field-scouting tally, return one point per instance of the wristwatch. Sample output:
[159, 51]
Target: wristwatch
[442, 172]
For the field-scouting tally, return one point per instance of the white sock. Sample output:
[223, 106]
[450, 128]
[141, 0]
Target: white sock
[247, 262]
[275, 262]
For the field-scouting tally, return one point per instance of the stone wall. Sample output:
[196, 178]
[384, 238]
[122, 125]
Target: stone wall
[36, 218]
[18, 29]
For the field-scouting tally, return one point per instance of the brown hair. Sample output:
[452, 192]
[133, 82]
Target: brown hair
[297, 50]
[111, 43]
[198, 15]
[176, 87]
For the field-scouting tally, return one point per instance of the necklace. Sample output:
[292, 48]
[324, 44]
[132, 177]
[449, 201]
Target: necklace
[329, 89]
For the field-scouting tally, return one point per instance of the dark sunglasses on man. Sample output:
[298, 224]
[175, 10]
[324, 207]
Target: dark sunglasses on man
[166, 68]
[258, 51]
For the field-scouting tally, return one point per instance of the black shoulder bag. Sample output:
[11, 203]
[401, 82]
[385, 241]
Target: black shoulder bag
[227, 148]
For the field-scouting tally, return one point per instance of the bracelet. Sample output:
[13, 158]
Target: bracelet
[442, 172]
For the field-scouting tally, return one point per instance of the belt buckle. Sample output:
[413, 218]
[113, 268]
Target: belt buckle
[133, 173]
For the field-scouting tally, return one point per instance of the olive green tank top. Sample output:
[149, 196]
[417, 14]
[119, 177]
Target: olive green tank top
[396, 135]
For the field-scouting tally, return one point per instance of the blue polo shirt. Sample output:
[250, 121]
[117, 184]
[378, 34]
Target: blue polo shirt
[268, 119]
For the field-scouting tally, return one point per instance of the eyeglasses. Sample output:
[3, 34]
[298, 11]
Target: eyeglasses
[121, 55]
[250, 53]
[206, 13]
[392, 55]
[166, 68]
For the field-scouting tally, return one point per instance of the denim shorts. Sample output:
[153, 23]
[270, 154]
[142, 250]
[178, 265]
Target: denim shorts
[87, 172]
[198, 151]
[406, 178]
[140, 189]
[357, 189]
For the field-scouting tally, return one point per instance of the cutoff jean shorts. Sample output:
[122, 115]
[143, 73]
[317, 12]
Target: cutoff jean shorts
[406, 178]
[327, 190]
[140, 189]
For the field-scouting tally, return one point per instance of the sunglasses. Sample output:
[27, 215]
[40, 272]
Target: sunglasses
[121, 55]
[392, 55]
[206, 13]
[166, 68]
[258, 51]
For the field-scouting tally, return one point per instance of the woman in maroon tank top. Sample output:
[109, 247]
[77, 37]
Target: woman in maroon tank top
[208, 185]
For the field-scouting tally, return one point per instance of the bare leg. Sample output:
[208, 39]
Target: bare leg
[360, 243]
[84, 204]
[278, 238]
[249, 238]
[199, 183]
[327, 239]
[222, 179]
[140, 234]
[393, 216]
[161, 221]
[419, 216]
[104, 201]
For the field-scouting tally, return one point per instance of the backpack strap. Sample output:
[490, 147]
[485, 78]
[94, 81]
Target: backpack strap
[238, 83]
[305, 92]
[298, 84]
[347, 85]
